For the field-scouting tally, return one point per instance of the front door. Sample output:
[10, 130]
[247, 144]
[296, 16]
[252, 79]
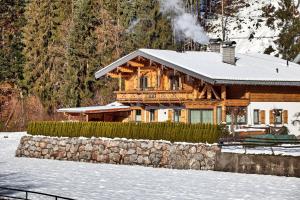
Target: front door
[162, 115]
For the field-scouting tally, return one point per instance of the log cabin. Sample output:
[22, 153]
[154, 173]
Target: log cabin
[217, 86]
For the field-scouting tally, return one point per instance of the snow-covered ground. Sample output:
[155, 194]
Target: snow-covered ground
[104, 181]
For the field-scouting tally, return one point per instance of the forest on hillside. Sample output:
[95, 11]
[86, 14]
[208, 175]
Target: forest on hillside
[50, 50]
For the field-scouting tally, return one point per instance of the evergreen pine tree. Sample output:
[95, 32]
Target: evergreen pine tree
[44, 49]
[289, 38]
[11, 22]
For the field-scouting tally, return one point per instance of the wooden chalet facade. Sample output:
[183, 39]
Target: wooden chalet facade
[207, 87]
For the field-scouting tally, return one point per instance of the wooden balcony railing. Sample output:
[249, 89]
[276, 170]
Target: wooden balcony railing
[155, 96]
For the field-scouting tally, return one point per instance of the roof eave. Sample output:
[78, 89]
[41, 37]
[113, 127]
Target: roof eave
[115, 64]
[257, 82]
[137, 53]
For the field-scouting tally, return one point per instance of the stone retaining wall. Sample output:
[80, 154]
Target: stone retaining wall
[121, 151]
[258, 164]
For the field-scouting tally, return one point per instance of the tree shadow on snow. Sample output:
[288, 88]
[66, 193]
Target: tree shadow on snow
[14, 181]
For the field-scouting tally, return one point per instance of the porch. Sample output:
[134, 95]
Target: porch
[113, 112]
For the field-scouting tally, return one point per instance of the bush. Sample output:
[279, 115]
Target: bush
[174, 132]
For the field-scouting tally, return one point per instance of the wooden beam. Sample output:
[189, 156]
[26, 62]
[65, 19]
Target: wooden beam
[148, 68]
[203, 92]
[150, 63]
[215, 93]
[125, 69]
[113, 75]
[135, 64]
[144, 72]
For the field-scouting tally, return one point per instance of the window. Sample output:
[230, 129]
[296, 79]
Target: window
[143, 82]
[177, 114]
[219, 115]
[174, 83]
[238, 113]
[138, 115]
[256, 116]
[277, 116]
[201, 116]
[152, 115]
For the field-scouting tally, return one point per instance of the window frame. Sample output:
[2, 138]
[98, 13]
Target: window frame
[144, 82]
[136, 114]
[176, 112]
[219, 115]
[152, 115]
[281, 116]
[258, 116]
[238, 123]
[174, 79]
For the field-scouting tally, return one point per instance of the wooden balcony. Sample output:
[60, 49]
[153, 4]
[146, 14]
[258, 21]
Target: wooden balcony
[154, 96]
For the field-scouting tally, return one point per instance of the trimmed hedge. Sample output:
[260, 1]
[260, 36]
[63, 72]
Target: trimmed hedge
[174, 132]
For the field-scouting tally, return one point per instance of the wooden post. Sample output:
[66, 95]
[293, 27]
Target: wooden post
[247, 95]
[120, 81]
[180, 83]
[183, 117]
[224, 114]
[147, 113]
[138, 79]
[158, 78]
[209, 92]
[156, 115]
[223, 92]
[143, 115]
[132, 115]
[215, 115]
[195, 92]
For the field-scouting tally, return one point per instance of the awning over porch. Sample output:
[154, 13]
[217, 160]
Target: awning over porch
[112, 107]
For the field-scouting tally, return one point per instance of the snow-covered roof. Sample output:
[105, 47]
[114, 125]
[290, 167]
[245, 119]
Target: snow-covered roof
[250, 69]
[90, 109]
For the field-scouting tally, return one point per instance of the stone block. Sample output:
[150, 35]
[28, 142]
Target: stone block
[131, 151]
[45, 152]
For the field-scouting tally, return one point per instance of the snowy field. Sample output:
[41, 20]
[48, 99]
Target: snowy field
[103, 181]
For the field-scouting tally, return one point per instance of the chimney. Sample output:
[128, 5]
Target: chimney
[215, 45]
[229, 52]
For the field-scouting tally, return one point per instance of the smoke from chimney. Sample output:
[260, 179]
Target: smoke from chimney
[185, 25]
